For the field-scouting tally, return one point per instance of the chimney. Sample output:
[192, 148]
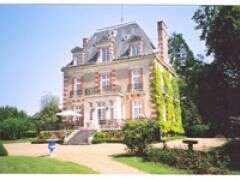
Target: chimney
[85, 42]
[162, 41]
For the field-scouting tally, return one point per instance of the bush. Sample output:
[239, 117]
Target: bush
[138, 134]
[44, 135]
[198, 130]
[111, 136]
[198, 162]
[30, 134]
[3, 151]
[48, 134]
[43, 141]
[14, 128]
[231, 148]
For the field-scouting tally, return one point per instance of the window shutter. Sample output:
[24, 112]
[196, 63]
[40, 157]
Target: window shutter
[142, 109]
[129, 79]
[131, 109]
[97, 81]
[82, 83]
[141, 72]
[73, 84]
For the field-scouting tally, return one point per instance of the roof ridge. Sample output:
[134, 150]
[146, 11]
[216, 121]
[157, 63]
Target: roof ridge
[115, 26]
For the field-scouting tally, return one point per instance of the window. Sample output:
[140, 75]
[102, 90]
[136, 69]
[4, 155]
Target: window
[77, 109]
[111, 110]
[91, 110]
[77, 86]
[136, 79]
[101, 112]
[75, 60]
[137, 109]
[105, 55]
[105, 81]
[134, 50]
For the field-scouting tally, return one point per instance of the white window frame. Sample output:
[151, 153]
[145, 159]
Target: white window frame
[105, 55]
[75, 60]
[77, 109]
[135, 50]
[91, 111]
[137, 109]
[111, 109]
[77, 85]
[101, 108]
[136, 78]
[104, 80]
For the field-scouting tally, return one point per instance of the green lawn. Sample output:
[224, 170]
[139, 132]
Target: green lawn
[149, 167]
[23, 140]
[43, 165]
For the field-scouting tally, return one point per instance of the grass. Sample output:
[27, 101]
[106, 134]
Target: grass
[43, 165]
[149, 167]
[22, 140]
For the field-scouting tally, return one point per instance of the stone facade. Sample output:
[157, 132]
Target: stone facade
[108, 88]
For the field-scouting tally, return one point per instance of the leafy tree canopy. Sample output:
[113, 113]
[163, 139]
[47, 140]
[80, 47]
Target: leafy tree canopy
[49, 108]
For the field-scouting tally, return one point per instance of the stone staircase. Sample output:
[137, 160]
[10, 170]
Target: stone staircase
[79, 136]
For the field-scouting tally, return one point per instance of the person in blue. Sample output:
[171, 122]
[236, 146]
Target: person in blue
[51, 145]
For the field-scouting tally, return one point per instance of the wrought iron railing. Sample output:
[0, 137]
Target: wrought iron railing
[106, 89]
[76, 93]
[136, 87]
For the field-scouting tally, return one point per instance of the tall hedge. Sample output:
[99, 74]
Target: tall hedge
[165, 96]
[3, 151]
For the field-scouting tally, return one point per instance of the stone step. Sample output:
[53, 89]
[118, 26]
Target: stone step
[80, 136]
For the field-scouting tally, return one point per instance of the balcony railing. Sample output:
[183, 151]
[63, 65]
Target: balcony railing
[135, 87]
[90, 91]
[76, 93]
[106, 89]
[111, 124]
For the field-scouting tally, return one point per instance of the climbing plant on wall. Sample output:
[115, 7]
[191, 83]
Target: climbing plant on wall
[165, 96]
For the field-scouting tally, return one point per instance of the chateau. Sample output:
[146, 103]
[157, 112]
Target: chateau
[108, 80]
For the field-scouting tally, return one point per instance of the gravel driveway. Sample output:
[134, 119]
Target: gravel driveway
[98, 156]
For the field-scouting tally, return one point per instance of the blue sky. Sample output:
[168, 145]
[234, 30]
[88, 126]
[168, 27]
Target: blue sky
[35, 42]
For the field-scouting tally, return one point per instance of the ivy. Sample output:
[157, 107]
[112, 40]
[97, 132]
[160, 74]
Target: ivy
[165, 96]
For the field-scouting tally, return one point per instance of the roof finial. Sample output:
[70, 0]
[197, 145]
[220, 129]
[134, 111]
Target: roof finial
[122, 17]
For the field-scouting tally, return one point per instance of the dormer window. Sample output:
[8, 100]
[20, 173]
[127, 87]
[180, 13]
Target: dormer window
[134, 50]
[75, 60]
[105, 55]
[78, 59]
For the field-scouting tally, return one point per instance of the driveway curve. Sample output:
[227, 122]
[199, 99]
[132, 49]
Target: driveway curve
[96, 156]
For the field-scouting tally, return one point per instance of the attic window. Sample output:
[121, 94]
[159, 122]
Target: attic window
[75, 60]
[105, 55]
[134, 50]
[78, 59]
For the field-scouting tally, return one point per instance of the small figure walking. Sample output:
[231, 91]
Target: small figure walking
[51, 145]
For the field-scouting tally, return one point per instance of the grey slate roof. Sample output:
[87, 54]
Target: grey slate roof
[121, 36]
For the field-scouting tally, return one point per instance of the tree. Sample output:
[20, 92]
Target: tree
[14, 123]
[189, 69]
[49, 107]
[7, 112]
[220, 83]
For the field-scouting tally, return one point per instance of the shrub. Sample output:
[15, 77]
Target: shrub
[14, 128]
[43, 141]
[30, 134]
[44, 135]
[198, 162]
[111, 136]
[231, 148]
[3, 151]
[138, 134]
[198, 130]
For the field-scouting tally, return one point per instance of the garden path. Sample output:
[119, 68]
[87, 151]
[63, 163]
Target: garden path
[98, 156]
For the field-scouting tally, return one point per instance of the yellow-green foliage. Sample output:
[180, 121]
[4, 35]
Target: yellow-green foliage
[165, 95]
